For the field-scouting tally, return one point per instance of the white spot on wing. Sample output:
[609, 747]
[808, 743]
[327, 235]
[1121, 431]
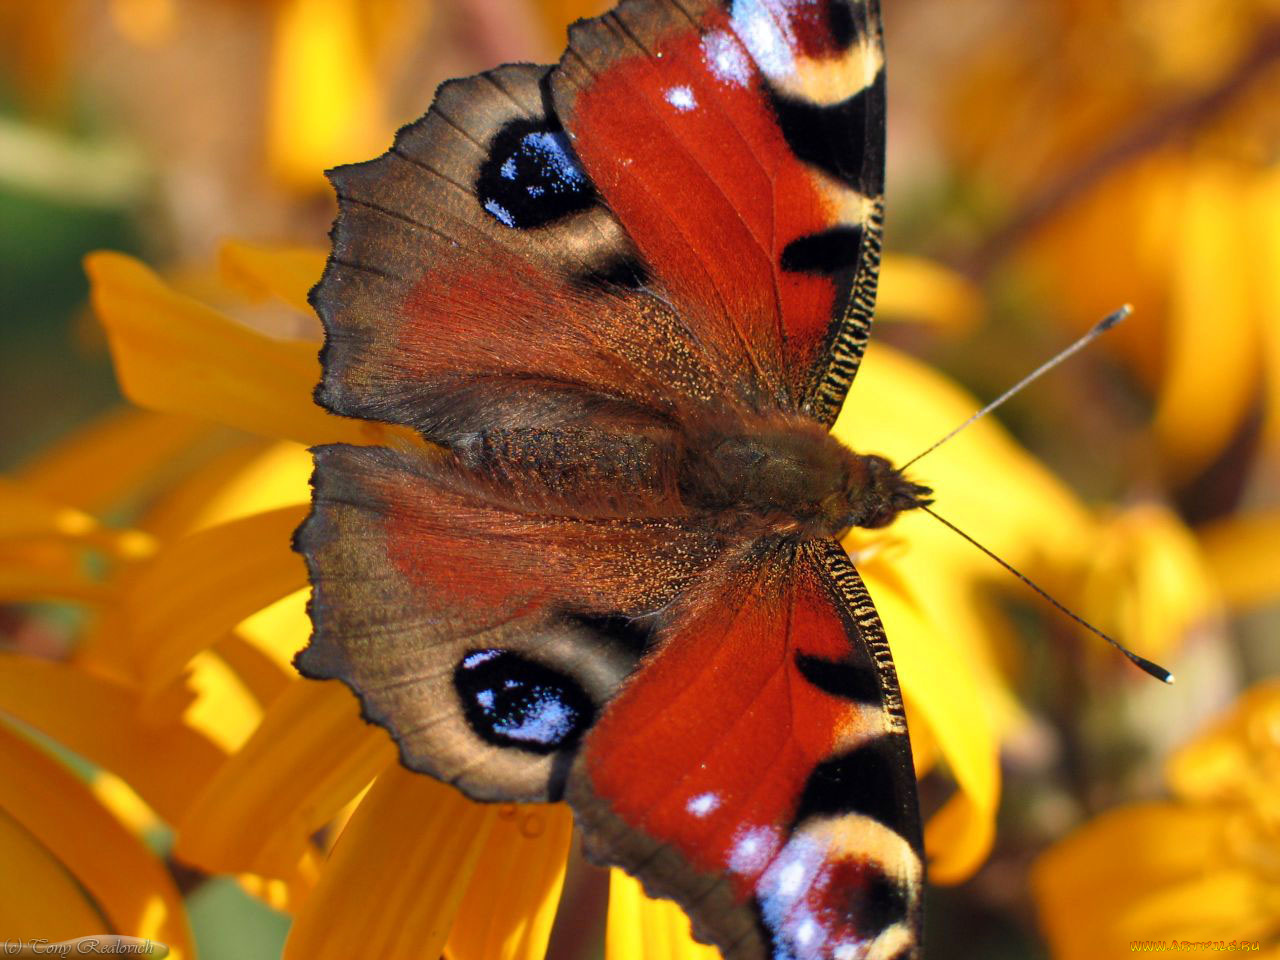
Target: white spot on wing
[472, 660]
[681, 98]
[702, 804]
[783, 890]
[752, 849]
[726, 59]
[791, 879]
[763, 28]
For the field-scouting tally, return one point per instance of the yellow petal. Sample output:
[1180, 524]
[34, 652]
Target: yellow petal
[177, 355]
[1237, 759]
[124, 803]
[639, 928]
[923, 291]
[264, 676]
[397, 876]
[309, 756]
[180, 506]
[1212, 366]
[99, 719]
[1264, 227]
[324, 104]
[287, 895]
[1146, 580]
[42, 898]
[280, 630]
[937, 679]
[85, 468]
[257, 272]
[1240, 550]
[24, 579]
[222, 707]
[1155, 871]
[130, 887]
[26, 514]
[511, 902]
[897, 407]
[276, 477]
[197, 589]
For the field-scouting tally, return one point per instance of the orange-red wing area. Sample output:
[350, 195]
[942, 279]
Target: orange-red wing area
[757, 769]
[486, 640]
[742, 148]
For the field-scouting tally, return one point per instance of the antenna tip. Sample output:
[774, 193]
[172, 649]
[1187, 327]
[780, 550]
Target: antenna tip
[1154, 669]
[1111, 319]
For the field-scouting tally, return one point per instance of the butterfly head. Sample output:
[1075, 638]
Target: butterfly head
[878, 492]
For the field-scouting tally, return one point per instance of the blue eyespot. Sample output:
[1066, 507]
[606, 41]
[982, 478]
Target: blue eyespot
[512, 701]
[531, 176]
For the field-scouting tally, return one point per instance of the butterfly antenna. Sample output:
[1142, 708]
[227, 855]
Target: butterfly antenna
[1098, 330]
[1157, 671]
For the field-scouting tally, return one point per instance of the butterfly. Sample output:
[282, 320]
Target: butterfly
[621, 299]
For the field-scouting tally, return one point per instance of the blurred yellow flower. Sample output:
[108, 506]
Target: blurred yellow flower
[1204, 866]
[1147, 580]
[1151, 181]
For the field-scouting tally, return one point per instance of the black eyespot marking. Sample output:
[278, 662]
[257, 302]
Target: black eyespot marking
[511, 701]
[881, 904]
[844, 29]
[531, 176]
[871, 780]
[627, 633]
[627, 272]
[829, 252]
[844, 140]
[856, 682]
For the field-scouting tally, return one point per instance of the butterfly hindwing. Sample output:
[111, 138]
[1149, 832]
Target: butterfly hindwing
[486, 640]
[756, 767]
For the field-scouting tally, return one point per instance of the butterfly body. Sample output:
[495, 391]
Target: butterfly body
[622, 299]
[787, 476]
[744, 474]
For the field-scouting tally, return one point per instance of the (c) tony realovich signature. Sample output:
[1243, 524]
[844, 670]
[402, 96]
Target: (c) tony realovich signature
[103, 945]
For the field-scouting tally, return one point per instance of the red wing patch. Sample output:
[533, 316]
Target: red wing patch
[743, 151]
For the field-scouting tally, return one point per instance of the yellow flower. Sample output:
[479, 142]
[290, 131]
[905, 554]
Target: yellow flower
[71, 868]
[1204, 866]
[202, 611]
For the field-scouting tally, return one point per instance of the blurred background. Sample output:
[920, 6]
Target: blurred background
[1049, 160]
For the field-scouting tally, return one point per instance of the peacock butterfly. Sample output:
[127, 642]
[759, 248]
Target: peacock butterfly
[621, 300]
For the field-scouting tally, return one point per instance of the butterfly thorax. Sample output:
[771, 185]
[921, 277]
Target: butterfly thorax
[789, 476]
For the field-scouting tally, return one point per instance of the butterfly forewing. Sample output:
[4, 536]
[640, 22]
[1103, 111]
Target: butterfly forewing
[742, 146]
